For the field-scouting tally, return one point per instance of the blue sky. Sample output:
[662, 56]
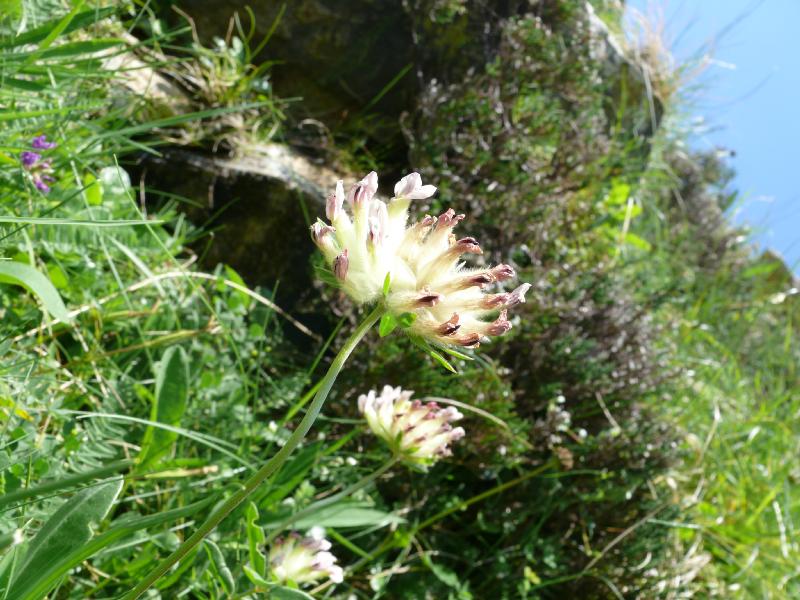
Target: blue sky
[749, 97]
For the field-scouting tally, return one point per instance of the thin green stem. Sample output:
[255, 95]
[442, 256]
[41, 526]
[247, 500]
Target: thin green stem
[361, 483]
[270, 467]
[480, 497]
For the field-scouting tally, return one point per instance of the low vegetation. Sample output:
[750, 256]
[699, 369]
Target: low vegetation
[634, 434]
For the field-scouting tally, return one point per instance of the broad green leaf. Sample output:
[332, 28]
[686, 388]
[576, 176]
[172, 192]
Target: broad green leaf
[242, 298]
[345, 514]
[26, 276]
[445, 575]
[219, 567]
[121, 528]
[255, 538]
[254, 577]
[280, 592]
[387, 325]
[67, 530]
[172, 391]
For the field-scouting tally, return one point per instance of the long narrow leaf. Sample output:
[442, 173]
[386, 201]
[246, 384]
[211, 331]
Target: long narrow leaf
[121, 528]
[70, 528]
[26, 276]
[78, 21]
[172, 392]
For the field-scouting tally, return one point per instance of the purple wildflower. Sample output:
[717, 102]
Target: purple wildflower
[29, 159]
[40, 143]
[41, 181]
[39, 169]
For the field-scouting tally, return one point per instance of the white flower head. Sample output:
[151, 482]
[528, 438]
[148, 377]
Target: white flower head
[418, 432]
[421, 262]
[300, 560]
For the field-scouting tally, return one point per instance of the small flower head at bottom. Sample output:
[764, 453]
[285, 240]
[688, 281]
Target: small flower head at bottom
[419, 433]
[301, 560]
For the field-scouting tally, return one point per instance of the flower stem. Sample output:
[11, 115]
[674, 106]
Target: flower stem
[361, 483]
[270, 467]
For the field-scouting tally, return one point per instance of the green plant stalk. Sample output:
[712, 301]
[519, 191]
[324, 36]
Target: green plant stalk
[270, 467]
[361, 483]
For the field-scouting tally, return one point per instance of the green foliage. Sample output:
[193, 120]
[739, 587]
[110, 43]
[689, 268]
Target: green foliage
[734, 402]
[66, 531]
[635, 435]
[31, 279]
[169, 404]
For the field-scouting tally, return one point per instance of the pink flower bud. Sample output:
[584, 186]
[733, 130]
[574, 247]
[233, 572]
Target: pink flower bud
[363, 191]
[319, 231]
[469, 340]
[468, 245]
[503, 272]
[340, 266]
[411, 188]
[449, 219]
[378, 222]
[449, 327]
[333, 207]
[500, 326]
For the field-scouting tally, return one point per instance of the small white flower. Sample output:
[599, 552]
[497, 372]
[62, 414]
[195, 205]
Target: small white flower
[422, 262]
[411, 187]
[300, 560]
[419, 433]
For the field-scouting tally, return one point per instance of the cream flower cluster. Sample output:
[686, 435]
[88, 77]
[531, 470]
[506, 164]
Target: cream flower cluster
[422, 263]
[418, 432]
[299, 560]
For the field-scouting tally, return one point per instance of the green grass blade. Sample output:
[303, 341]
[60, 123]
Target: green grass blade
[36, 283]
